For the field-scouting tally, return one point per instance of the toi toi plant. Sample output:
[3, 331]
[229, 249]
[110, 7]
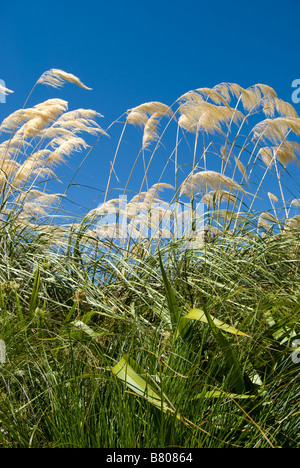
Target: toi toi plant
[230, 144]
[109, 299]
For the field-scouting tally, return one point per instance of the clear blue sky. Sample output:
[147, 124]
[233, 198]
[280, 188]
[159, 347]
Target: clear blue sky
[133, 51]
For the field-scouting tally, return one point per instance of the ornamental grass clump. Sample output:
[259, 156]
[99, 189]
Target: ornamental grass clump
[168, 313]
[39, 139]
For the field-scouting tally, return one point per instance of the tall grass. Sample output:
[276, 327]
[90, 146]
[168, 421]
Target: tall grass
[167, 316]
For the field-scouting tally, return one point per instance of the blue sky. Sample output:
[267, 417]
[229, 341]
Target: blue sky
[132, 51]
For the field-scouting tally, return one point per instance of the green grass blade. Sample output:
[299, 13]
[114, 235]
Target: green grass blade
[19, 310]
[171, 299]
[35, 292]
[70, 313]
[179, 324]
[198, 314]
[235, 372]
[127, 374]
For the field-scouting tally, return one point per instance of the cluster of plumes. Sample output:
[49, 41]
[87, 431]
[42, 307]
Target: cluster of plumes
[40, 138]
[215, 111]
[293, 224]
[281, 118]
[199, 114]
[148, 217]
[202, 181]
[209, 110]
[267, 222]
[43, 136]
[37, 202]
[217, 196]
[271, 134]
[121, 219]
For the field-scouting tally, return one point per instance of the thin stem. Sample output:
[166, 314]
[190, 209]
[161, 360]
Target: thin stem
[114, 161]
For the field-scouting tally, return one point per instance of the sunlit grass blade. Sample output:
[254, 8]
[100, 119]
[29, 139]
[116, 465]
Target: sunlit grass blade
[125, 372]
[221, 393]
[198, 314]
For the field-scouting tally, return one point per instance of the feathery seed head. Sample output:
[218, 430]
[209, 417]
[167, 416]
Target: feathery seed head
[65, 148]
[139, 115]
[8, 168]
[272, 197]
[285, 109]
[241, 168]
[150, 133]
[34, 119]
[35, 203]
[224, 196]
[201, 94]
[33, 166]
[228, 89]
[285, 153]
[292, 224]
[296, 202]
[153, 191]
[266, 154]
[205, 116]
[56, 79]
[4, 90]
[250, 97]
[266, 220]
[199, 182]
[276, 130]
[79, 120]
